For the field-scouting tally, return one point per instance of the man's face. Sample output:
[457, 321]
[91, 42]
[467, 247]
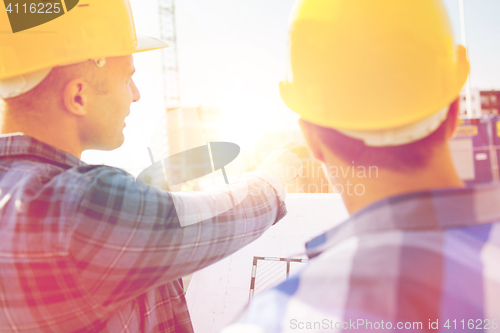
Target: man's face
[111, 93]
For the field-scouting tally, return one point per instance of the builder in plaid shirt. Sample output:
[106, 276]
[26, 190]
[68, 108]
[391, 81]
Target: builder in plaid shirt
[420, 251]
[83, 247]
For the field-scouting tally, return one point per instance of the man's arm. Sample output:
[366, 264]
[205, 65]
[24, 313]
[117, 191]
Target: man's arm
[128, 239]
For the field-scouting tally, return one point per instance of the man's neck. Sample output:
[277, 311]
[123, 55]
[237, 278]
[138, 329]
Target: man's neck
[57, 133]
[364, 186]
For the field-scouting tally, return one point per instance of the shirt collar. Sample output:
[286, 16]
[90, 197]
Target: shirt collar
[18, 145]
[429, 210]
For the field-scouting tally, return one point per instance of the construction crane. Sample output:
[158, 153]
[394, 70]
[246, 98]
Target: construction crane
[172, 140]
[170, 63]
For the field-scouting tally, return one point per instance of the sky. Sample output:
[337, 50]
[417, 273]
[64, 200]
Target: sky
[232, 54]
[482, 31]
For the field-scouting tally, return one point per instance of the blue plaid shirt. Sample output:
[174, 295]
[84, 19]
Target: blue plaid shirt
[426, 261]
[84, 249]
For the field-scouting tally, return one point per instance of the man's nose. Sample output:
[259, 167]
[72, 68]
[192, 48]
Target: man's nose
[135, 92]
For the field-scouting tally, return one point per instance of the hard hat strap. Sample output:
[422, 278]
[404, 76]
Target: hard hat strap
[16, 86]
[19, 85]
[401, 135]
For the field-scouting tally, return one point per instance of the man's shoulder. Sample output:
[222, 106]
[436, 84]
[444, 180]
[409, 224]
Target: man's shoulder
[388, 275]
[35, 188]
[17, 171]
[388, 256]
[379, 270]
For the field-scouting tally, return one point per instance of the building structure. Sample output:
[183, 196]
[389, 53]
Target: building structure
[476, 99]
[490, 102]
[211, 120]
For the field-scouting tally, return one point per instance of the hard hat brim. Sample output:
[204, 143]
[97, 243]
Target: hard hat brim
[146, 43]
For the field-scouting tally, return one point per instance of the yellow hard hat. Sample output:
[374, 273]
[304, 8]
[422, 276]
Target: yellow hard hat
[93, 29]
[365, 65]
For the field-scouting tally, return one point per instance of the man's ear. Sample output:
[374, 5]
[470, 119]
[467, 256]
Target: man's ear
[75, 96]
[313, 142]
[452, 119]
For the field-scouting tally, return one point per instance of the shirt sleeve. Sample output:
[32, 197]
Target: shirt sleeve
[128, 239]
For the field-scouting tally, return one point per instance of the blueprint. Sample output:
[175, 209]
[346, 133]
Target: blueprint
[219, 292]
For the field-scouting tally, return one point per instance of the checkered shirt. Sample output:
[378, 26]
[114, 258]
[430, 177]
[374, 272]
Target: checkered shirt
[84, 249]
[410, 263]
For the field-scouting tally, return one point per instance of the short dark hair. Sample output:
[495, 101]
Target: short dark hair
[406, 157]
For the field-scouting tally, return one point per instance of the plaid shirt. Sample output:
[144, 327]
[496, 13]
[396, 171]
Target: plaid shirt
[415, 262]
[84, 249]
